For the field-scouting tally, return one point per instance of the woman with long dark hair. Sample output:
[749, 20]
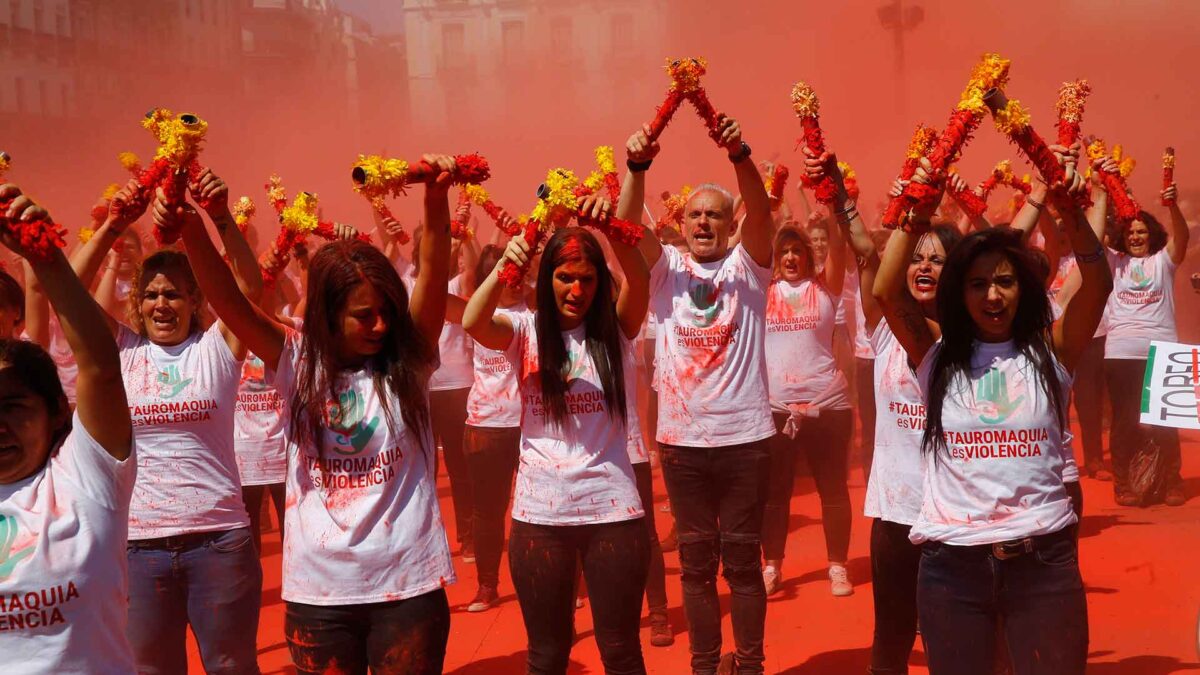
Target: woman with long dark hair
[996, 510]
[492, 438]
[191, 556]
[66, 478]
[365, 557]
[576, 496]
[809, 399]
[1143, 260]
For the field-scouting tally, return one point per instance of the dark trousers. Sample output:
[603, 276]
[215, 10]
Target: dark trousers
[492, 460]
[1088, 391]
[965, 592]
[1128, 433]
[447, 417]
[542, 560]
[656, 577]
[895, 562]
[864, 374]
[404, 637]
[253, 496]
[825, 442]
[718, 496]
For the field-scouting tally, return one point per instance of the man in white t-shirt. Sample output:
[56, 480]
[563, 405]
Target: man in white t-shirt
[714, 418]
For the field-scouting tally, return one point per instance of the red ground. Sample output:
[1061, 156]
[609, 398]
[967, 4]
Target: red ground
[1139, 565]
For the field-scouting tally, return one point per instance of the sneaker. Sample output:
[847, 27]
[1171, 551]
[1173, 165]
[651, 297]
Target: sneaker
[1097, 471]
[1175, 496]
[1126, 498]
[670, 542]
[579, 602]
[839, 581]
[771, 579]
[485, 598]
[726, 665]
[468, 552]
[660, 631]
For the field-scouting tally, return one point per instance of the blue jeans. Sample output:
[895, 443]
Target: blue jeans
[963, 592]
[211, 581]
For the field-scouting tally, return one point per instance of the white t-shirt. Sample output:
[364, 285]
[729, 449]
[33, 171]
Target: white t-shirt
[896, 485]
[800, 319]
[64, 358]
[181, 401]
[846, 299]
[712, 368]
[1141, 306]
[862, 339]
[577, 473]
[495, 398]
[362, 523]
[1003, 473]
[1067, 265]
[258, 427]
[454, 349]
[63, 587]
[635, 444]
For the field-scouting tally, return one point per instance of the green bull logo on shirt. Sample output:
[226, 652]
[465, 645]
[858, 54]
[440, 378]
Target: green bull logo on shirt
[8, 558]
[993, 400]
[171, 383]
[345, 417]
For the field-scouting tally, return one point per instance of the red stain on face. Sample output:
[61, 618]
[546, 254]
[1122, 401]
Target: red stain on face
[575, 284]
[364, 324]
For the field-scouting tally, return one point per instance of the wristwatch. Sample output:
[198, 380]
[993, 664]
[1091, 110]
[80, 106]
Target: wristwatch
[741, 154]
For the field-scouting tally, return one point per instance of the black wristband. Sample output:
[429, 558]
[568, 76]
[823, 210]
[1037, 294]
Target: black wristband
[741, 154]
[638, 167]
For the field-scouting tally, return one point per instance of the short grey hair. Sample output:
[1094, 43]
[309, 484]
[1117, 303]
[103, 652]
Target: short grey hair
[714, 187]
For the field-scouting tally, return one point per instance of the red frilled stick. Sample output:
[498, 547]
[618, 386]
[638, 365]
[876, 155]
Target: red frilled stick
[512, 276]
[958, 131]
[1168, 168]
[971, 203]
[162, 174]
[1013, 121]
[708, 114]
[39, 238]
[664, 113]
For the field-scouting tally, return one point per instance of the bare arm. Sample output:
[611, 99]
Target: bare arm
[1177, 233]
[1072, 333]
[254, 328]
[756, 229]
[633, 299]
[37, 309]
[211, 190]
[902, 312]
[100, 392]
[639, 149]
[479, 318]
[1031, 211]
[428, 303]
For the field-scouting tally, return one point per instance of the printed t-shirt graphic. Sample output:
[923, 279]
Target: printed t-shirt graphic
[896, 485]
[362, 518]
[1002, 473]
[711, 376]
[495, 398]
[63, 589]
[258, 427]
[181, 401]
[1141, 306]
[577, 472]
[800, 324]
[454, 349]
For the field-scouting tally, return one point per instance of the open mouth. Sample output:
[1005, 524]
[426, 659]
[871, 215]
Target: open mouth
[704, 236]
[164, 322]
[994, 315]
[925, 283]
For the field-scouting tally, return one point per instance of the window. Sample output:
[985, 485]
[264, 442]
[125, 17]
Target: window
[622, 34]
[20, 92]
[37, 16]
[60, 20]
[560, 35]
[512, 42]
[66, 99]
[43, 98]
[453, 46]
